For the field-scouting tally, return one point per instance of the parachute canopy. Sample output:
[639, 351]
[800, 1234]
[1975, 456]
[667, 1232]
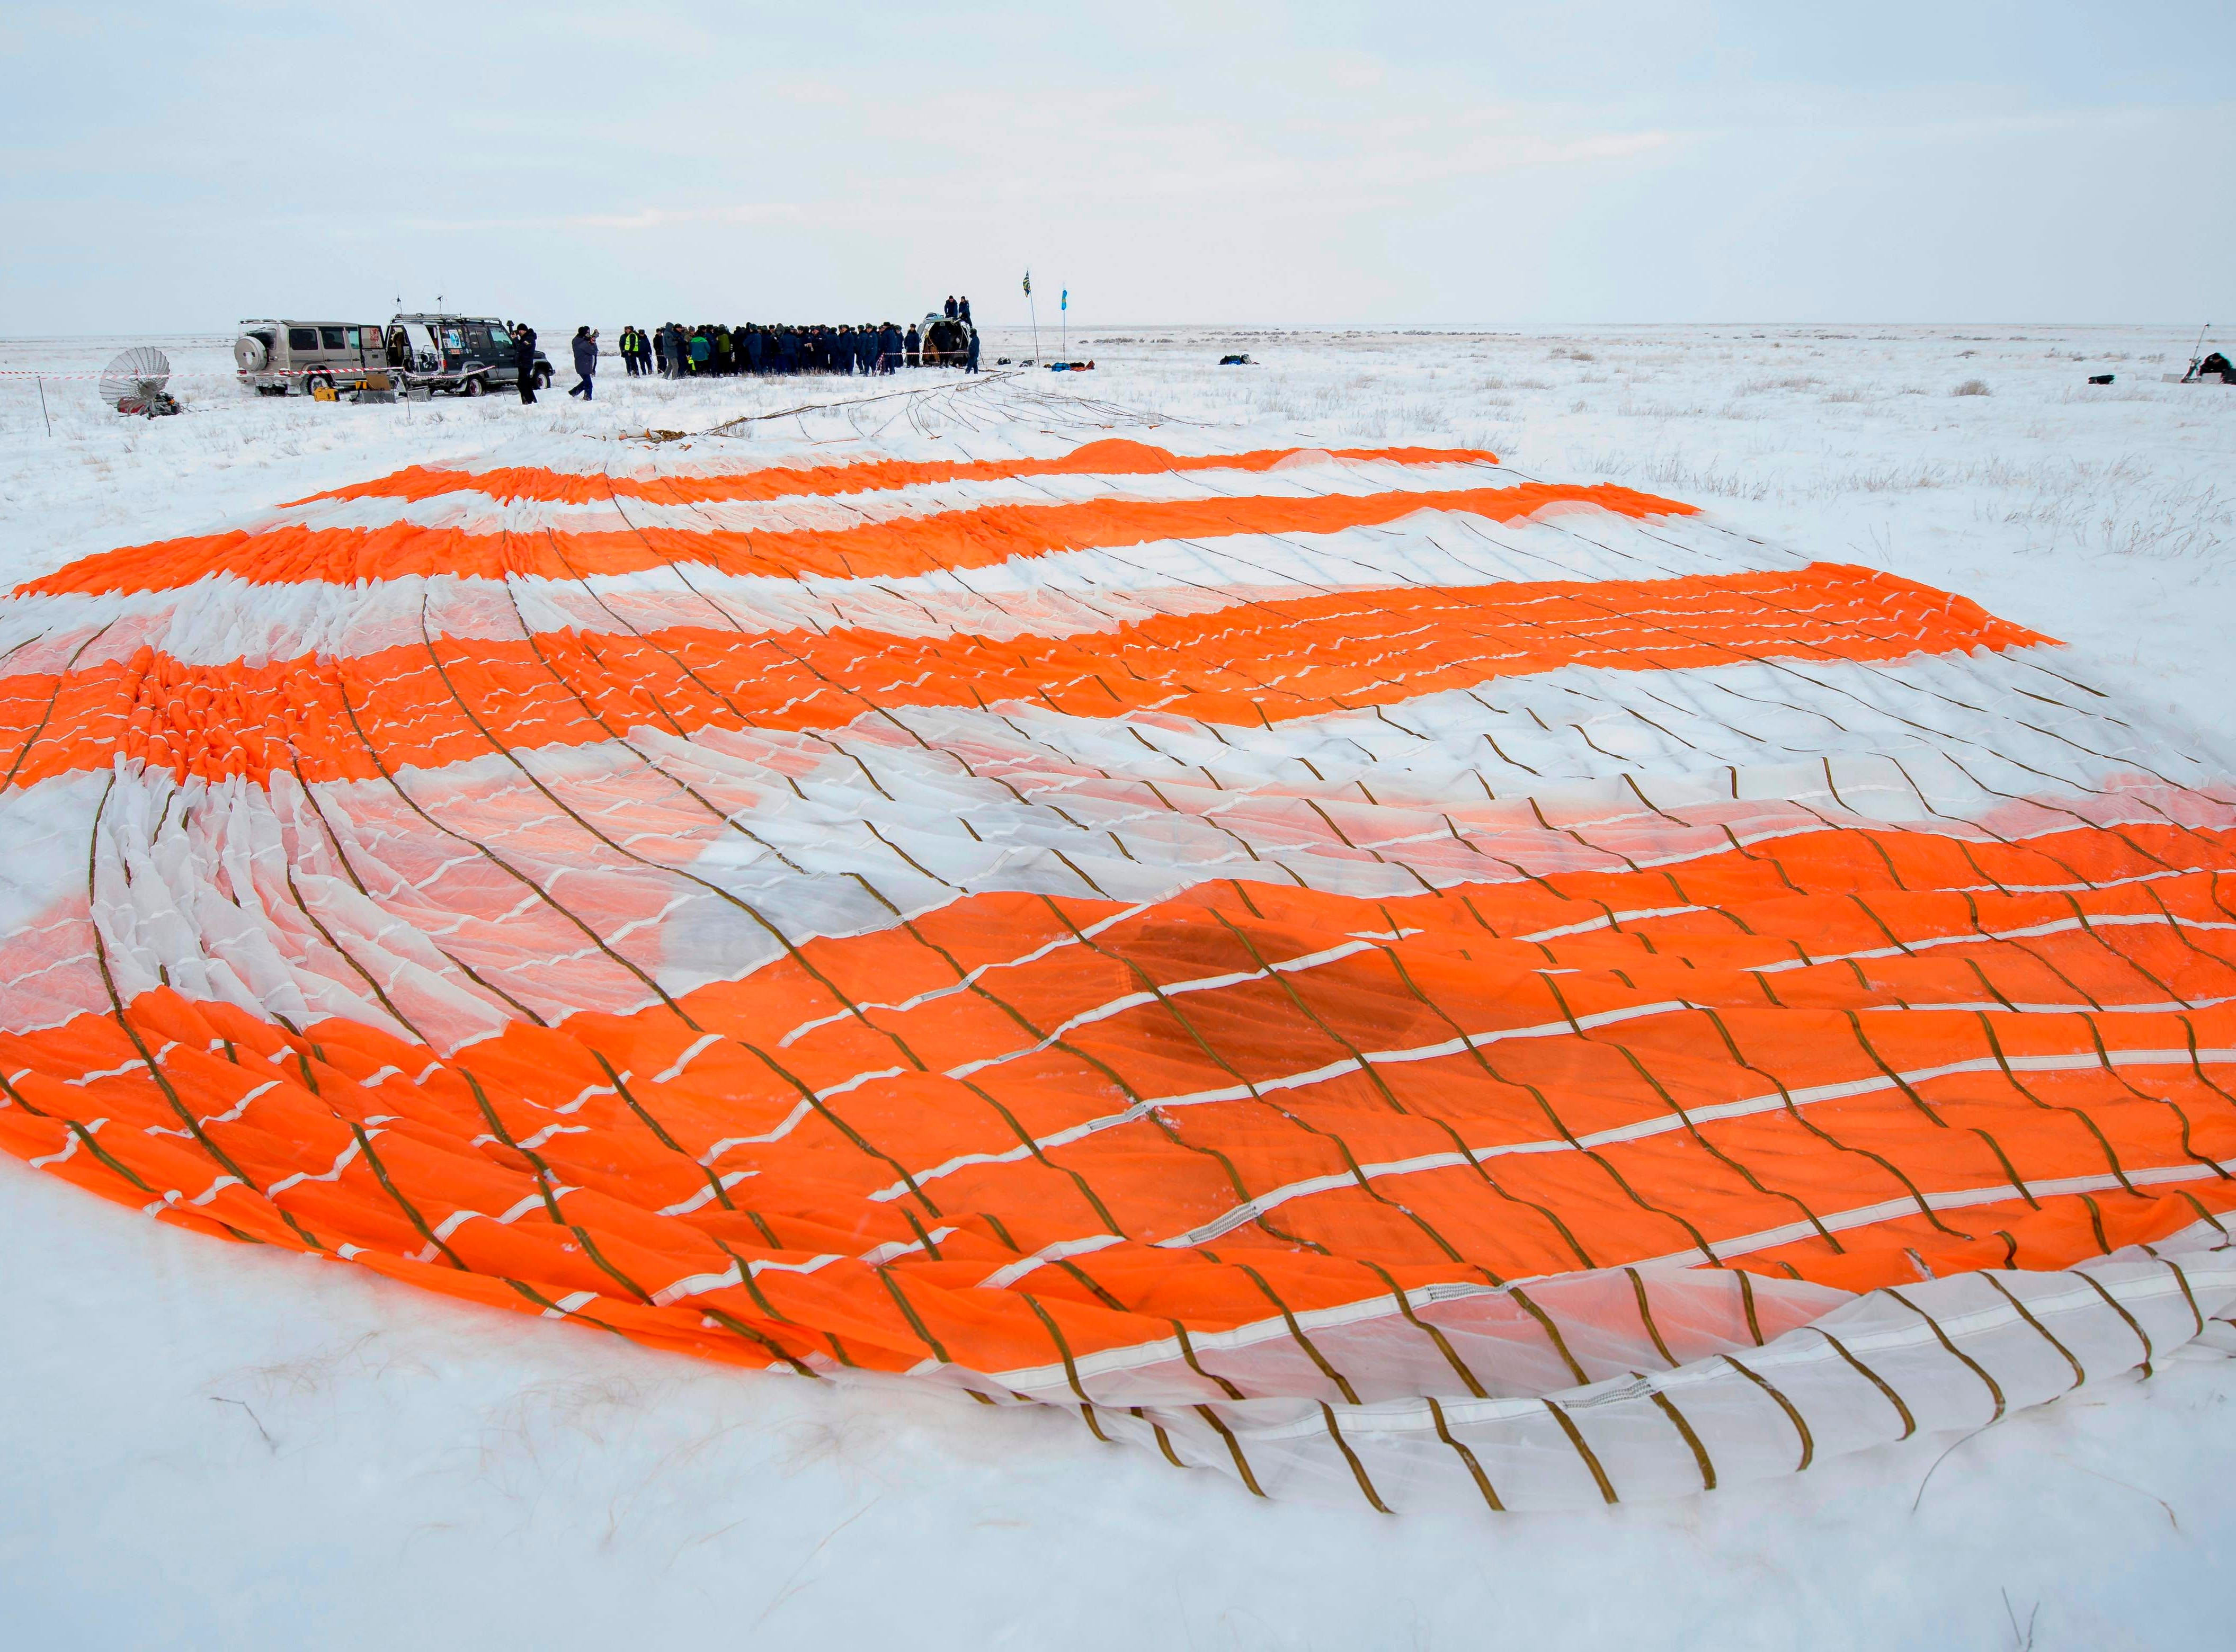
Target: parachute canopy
[1355, 969]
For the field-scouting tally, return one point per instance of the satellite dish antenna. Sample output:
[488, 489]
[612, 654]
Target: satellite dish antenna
[133, 382]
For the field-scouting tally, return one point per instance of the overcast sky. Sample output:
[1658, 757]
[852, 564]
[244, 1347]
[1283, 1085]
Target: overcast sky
[179, 166]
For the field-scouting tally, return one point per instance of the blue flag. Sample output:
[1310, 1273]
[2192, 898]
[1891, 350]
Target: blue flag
[1064, 303]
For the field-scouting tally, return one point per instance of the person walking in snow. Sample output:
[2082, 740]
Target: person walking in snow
[523, 340]
[971, 354]
[585, 363]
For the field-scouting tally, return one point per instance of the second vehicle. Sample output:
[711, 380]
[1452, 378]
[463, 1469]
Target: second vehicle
[461, 355]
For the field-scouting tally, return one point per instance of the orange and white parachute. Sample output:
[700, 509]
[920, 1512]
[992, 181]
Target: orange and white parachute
[1361, 971]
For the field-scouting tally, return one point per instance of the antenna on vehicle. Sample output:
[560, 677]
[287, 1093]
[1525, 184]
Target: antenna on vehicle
[2194, 357]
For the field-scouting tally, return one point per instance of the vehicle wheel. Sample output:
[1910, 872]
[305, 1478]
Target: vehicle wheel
[544, 379]
[473, 386]
[315, 380]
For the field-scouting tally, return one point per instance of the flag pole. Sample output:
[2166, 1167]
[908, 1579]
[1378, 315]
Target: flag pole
[1035, 311]
[1063, 310]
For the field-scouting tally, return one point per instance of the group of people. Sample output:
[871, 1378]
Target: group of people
[715, 349]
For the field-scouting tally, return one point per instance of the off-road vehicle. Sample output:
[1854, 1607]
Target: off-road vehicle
[281, 358]
[461, 355]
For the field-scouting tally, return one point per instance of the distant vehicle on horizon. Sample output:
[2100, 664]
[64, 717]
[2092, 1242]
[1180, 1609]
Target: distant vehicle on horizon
[460, 355]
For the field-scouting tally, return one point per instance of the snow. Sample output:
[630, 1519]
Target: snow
[214, 1445]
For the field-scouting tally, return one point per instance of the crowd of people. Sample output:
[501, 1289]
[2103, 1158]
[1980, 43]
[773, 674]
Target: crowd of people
[715, 349]
[718, 350]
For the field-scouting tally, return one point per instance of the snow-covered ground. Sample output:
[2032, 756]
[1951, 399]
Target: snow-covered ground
[208, 1446]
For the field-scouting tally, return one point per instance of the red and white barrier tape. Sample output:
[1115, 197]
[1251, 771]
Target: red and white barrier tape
[285, 373]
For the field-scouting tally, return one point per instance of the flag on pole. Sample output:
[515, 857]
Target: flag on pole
[1064, 303]
[1028, 284]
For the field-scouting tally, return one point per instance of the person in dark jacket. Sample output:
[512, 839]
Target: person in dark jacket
[971, 353]
[951, 306]
[523, 340]
[585, 363]
[889, 347]
[660, 350]
[962, 310]
[756, 344]
[912, 345]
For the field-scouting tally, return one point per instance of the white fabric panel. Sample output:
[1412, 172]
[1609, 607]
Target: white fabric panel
[223, 618]
[688, 859]
[1835, 1374]
[479, 512]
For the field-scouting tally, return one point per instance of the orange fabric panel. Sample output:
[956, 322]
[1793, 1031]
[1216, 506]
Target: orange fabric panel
[976, 538]
[1263, 662]
[1648, 1089]
[1114, 457]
